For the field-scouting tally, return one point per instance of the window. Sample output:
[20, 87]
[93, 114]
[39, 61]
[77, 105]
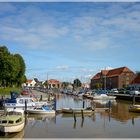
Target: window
[17, 121]
[4, 121]
[11, 122]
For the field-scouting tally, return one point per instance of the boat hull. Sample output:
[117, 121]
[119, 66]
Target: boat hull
[31, 111]
[103, 97]
[12, 129]
[135, 108]
[76, 111]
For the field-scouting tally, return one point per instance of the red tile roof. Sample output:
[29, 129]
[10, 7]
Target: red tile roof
[53, 81]
[97, 76]
[29, 81]
[111, 73]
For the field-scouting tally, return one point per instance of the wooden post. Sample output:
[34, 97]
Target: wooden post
[109, 104]
[55, 102]
[74, 125]
[133, 122]
[133, 99]
[82, 123]
[41, 98]
[82, 114]
[74, 116]
[25, 106]
[83, 104]
[49, 97]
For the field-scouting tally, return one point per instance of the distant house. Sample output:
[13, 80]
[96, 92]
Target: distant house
[30, 83]
[86, 85]
[114, 78]
[52, 83]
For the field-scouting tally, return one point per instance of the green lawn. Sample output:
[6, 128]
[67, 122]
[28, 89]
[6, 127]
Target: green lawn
[6, 91]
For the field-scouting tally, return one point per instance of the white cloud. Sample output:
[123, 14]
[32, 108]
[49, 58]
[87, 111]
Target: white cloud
[63, 67]
[94, 29]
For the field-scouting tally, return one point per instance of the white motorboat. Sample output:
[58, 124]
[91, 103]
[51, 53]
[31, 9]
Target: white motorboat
[103, 97]
[12, 121]
[19, 102]
[41, 110]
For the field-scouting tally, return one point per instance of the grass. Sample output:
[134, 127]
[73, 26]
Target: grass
[7, 90]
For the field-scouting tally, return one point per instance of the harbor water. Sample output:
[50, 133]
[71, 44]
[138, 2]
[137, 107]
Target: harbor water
[118, 123]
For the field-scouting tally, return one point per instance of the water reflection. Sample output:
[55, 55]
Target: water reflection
[35, 119]
[12, 135]
[118, 122]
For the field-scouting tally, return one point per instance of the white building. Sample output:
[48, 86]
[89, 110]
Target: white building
[30, 83]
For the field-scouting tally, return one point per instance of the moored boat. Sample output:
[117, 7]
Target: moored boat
[77, 110]
[134, 108]
[19, 102]
[103, 97]
[41, 110]
[12, 121]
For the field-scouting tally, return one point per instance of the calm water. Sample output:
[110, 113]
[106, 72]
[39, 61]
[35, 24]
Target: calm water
[118, 124]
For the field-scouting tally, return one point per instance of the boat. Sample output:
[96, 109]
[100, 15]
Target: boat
[77, 110]
[41, 110]
[103, 97]
[134, 108]
[105, 102]
[12, 121]
[19, 102]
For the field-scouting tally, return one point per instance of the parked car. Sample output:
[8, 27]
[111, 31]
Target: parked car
[25, 92]
[122, 91]
[114, 90]
[134, 92]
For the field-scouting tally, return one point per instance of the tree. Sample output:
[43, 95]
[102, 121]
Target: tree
[21, 73]
[65, 84]
[77, 83]
[12, 68]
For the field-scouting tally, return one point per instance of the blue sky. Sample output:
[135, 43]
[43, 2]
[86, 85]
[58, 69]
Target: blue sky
[72, 40]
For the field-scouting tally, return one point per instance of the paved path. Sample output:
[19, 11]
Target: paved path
[38, 93]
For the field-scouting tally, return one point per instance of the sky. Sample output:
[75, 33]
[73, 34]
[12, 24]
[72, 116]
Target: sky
[68, 40]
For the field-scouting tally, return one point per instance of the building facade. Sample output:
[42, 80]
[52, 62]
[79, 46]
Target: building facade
[115, 78]
[29, 83]
[52, 83]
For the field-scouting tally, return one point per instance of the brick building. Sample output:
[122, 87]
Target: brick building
[115, 78]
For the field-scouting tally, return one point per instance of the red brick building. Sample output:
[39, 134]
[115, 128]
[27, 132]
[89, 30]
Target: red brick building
[115, 78]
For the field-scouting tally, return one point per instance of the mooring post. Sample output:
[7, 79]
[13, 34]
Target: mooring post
[74, 116]
[83, 104]
[25, 106]
[133, 99]
[49, 97]
[82, 122]
[82, 114]
[41, 98]
[55, 102]
[109, 104]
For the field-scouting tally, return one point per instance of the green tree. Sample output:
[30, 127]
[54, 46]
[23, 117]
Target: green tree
[21, 69]
[77, 83]
[65, 84]
[12, 68]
